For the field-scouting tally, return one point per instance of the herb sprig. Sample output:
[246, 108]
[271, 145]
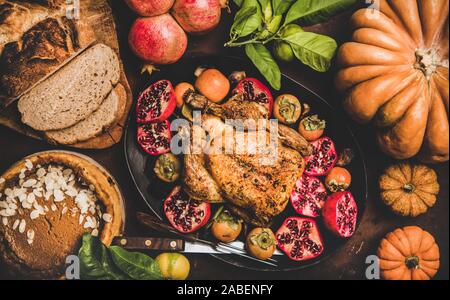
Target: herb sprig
[98, 262]
[260, 23]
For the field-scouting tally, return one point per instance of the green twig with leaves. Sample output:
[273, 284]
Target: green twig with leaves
[260, 24]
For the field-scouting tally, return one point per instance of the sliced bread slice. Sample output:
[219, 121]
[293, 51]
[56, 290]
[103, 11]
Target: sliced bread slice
[73, 93]
[106, 116]
[112, 135]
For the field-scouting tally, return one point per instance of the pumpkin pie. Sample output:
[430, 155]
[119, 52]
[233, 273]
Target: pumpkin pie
[47, 202]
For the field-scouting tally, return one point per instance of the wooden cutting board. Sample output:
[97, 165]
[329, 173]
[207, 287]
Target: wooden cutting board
[98, 14]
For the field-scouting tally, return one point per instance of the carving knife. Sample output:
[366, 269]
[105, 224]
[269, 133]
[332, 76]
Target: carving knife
[236, 248]
[177, 245]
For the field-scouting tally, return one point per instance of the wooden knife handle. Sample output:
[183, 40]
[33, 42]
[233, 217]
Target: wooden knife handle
[149, 243]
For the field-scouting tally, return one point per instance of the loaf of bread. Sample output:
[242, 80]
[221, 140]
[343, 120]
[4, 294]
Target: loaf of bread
[105, 117]
[73, 93]
[61, 78]
[39, 52]
[18, 17]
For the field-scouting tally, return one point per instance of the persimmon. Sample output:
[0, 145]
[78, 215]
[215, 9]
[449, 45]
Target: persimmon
[261, 243]
[312, 128]
[212, 84]
[180, 92]
[339, 179]
[287, 109]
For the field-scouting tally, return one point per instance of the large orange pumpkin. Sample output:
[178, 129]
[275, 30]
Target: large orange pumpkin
[395, 73]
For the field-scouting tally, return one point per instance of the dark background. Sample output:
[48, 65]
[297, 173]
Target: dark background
[349, 262]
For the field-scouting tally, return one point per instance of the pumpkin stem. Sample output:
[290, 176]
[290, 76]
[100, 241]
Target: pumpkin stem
[409, 188]
[427, 61]
[412, 262]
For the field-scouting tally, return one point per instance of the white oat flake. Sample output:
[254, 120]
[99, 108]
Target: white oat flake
[107, 218]
[16, 224]
[22, 226]
[59, 195]
[30, 234]
[28, 164]
[34, 214]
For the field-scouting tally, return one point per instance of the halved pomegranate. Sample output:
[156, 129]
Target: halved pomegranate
[184, 214]
[300, 239]
[340, 213]
[308, 196]
[253, 90]
[156, 103]
[154, 138]
[323, 158]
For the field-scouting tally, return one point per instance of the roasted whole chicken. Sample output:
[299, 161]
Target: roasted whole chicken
[243, 168]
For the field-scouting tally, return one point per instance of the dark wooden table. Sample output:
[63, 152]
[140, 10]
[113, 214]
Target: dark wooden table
[349, 262]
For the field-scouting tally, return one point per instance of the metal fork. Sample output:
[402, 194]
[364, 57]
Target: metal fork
[156, 224]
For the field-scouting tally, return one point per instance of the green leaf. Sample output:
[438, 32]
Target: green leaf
[314, 50]
[309, 12]
[266, 8]
[137, 265]
[265, 63]
[95, 262]
[281, 6]
[247, 20]
[238, 2]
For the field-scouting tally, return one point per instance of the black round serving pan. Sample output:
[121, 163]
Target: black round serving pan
[154, 191]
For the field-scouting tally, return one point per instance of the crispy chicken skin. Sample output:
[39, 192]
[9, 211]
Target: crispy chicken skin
[256, 184]
[261, 189]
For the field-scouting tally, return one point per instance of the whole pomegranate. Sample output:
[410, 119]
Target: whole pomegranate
[150, 8]
[158, 40]
[197, 16]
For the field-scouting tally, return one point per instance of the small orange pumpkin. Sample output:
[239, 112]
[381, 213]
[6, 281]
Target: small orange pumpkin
[409, 190]
[408, 253]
